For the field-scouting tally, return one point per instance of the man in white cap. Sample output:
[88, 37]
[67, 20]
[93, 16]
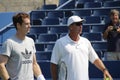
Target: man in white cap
[72, 53]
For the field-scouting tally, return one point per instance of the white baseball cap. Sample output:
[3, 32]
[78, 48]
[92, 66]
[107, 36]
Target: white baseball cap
[74, 19]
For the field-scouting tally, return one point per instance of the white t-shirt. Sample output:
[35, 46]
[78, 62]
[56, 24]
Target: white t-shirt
[73, 58]
[20, 54]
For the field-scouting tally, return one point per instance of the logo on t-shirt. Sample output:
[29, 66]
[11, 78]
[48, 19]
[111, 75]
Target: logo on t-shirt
[27, 54]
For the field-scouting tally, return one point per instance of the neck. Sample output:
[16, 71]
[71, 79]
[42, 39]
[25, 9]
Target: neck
[20, 36]
[74, 37]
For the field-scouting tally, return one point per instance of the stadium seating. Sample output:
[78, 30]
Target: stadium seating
[54, 14]
[101, 12]
[70, 5]
[36, 17]
[64, 20]
[112, 66]
[43, 55]
[92, 5]
[97, 28]
[92, 19]
[112, 4]
[47, 38]
[67, 13]
[84, 1]
[86, 28]
[45, 67]
[49, 47]
[40, 47]
[38, 30]
[50, 23]
[93, 36]
[101, 46]
[49, 6]
[82, 13]
[59, 29]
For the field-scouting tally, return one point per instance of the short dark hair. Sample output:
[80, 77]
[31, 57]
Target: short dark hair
[18, 18]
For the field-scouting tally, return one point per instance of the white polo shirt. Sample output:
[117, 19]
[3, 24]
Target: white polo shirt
[73, 58]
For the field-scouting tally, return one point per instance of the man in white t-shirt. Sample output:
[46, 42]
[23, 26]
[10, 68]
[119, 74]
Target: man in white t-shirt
[72, 53]
[17, 58]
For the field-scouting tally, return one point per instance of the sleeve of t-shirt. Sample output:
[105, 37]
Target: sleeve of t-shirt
[55, 57]
[6, 48]
[92, 54]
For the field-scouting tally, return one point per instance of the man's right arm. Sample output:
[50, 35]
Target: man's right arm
[3, 71]
[54, 71]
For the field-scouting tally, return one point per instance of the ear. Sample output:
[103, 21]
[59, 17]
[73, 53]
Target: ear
[18, 26]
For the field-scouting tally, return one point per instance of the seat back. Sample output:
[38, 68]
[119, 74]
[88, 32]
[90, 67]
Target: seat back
[47, 37]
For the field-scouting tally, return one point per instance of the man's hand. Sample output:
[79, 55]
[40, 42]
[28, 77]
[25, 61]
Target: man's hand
[107, 75]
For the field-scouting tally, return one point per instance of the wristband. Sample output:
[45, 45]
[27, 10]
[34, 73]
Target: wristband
[40, 77]
[104, 69]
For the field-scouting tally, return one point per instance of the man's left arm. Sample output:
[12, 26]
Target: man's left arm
[37, 70]
[99, 64]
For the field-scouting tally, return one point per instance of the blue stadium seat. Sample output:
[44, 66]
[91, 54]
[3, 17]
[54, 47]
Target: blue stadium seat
[47, 37]
[112, 4]
[84, 1]
[49, 47]
[55, 14]
[50, 21]
[113, 67]
[39, 47]
[45, 67]
[70, 5]
[86, 28]
[67, 13]
[92, 5]
[38, 30]
[97, 28]
[49, 7]
[106, 19]
[43, 55]
[62, 35]
[36, 22]
[92, 19]
[79, 5]
[101, 12]
[94, 72]
[82, 13]
[64, 20]
[36, 17]
[101, 46]
[59, 29]
[93, 36]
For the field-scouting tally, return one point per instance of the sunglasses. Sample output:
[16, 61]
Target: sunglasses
[78, 23]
